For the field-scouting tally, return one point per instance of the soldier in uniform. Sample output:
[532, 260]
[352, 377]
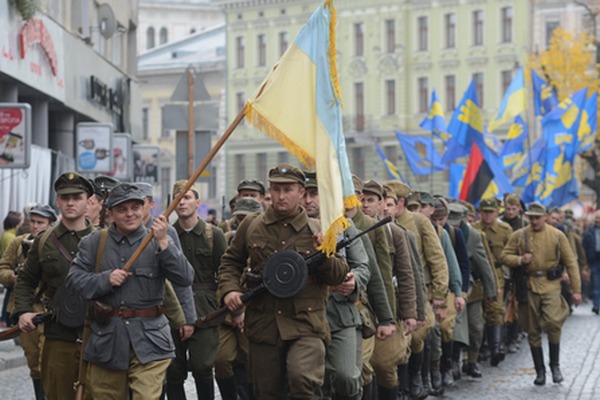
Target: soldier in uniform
[203, 244]
[254, 188]
[47, 267]
[497, 233]
[40, 218]
[130, 344]
[287, 336]
[543, 251]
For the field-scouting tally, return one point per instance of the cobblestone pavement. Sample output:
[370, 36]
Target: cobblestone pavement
[511, 380]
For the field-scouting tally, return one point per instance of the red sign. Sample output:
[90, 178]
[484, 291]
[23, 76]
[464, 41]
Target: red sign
[35, 32]
[9, 118]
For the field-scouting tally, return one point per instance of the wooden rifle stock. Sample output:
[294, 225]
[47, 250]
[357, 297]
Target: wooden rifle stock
[14, 332]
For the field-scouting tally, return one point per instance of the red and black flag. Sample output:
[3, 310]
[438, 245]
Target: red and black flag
[477, 178]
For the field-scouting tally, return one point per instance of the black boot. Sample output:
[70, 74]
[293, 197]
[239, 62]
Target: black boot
[446, 364]
[403, 382]
[437, 389]
[415, 365]
[38, 389]
[538, 362]
[227, 388]
[205, 390]
[426, 369]
[242, 386]
[473, 370]
[385, 393]
[494, 341]
[456, 355]
[175, 391]
[554, 362]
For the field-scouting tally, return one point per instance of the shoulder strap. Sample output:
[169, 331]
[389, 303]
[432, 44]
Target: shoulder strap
[101, 246]
[43, 240]
[65, 253]
[208, 232]
[257, 220]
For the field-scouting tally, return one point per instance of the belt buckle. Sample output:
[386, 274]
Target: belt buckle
[121, 311]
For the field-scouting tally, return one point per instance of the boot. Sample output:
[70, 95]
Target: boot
[437, 389]
[446, 364]
[241, 384]
[403, 382]
[415, 364]
[38, 389]
[206, 390]
[484, 350]
[554, 357]
[175, 391]
[494, 333]
[538, 361]
[383, 393]
[227, 388]
[456, 352]
[473, 370]
[426, 370]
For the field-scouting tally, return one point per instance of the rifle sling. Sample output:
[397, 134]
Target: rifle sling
[66, 254]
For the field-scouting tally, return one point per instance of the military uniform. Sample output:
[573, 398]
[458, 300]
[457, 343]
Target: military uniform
[289, 332]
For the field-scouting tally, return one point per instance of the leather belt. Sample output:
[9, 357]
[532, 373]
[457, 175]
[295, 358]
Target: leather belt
[536, 273]
[138, 312]
[204, 286]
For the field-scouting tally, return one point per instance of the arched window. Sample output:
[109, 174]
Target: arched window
[164, 35]
[150, 38]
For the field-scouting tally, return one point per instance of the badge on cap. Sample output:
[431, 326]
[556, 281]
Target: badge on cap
[283, 170]
[71, 176]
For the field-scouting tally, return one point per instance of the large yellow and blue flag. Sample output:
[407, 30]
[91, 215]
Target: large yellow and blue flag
[513, 103]
[588, 124]
[514, 146]
[560, 126]
[544, 96]
[421, 155]
[524, 171]
[299, 104]
[435, 120]
[392, 170]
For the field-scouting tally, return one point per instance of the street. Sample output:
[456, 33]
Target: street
[513, 379]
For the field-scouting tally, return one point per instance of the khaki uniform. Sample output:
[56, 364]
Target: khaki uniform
[291, 331]
[546, 307]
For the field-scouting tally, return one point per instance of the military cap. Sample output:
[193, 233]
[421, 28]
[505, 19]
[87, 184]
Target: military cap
[413, 199]
[469, 207]
[73, 183]
[104, 184]
[287, 173]
[401, 189]
[457, 212]
[180, 184]
[512, 199]
[440, 206]
[122, 193]
[373, 187]
[489, 204]
[426, 198]
[358, 183]
[569, 213]
[252, 184]
[247, 205]
[554, 210]
[536, 209]
[389, 192]
[145, 188]
[43, 211]
[311, 179]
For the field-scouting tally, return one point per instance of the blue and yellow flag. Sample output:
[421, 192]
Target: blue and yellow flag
[525, 170]
[560, 126]
[513, 103]
[588, 124]
[456, 175]
[465, 121]
[389, 166]
[544, 97]
[435, 120]
[514, 146]
[299, 104]
[421, 155]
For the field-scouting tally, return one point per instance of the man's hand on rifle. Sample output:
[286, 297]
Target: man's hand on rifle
[317, 239]
[25, 321]
[526, 259]
[348, 286]
[233, 301]
[117, 277]
[186, 332]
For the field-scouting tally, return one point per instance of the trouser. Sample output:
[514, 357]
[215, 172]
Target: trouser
[368, 347]
[476, 325]
[442, 332]
[547, 310]
[343, 362]
[138, 382]
[60, 368]
[418, 337]
[301, 361]
[388, 355]
[33, 343]
[200, 350]
[494, 312]
[233, 350]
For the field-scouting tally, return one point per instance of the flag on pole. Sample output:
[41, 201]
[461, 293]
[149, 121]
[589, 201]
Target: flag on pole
[513, 103]
[421, 154]
[299, 104]
[544, 97]
[514, 146]
[457, 173]
[586, 134]
[435, 120]
[389, 166]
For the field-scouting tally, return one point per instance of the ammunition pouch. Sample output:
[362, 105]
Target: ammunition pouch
[100, 312]
[555, 273]
[253, 279]
[367, 316]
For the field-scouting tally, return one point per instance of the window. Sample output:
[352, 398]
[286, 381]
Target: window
[145, 124]
[478, 28]
[240, 167]
[423, 33]
[423, 95]
[359, 104]
[507, 21]
[478, 78]
[283, 157]
[390, 35]
[506, 77]
[358, 161]
[262, 50]
[240, 47]
[284, 42]
[390, 94]
[359, 37]
[149, 38]
[117, 49]
[550, 27]
[261, 166]
[450, 28]
[164, 35]
[450, 84]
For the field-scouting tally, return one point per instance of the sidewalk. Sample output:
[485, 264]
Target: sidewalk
[11, 355]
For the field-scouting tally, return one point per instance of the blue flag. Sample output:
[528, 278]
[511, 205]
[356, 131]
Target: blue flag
[389, 166]
[529, 165]
[513, 103]
[544, 97]
[560, 126]
[421, 154]
[456, 172]
[588, 124]
[435, 120]
[513, 148]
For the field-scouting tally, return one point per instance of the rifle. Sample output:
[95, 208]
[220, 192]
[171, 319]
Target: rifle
[312, 261]
[14, 332]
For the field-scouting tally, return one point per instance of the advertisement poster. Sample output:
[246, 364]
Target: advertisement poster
[15, 135]
[146, 160]
[123, 160]
[94, 147]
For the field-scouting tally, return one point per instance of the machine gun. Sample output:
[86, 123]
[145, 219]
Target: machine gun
[13, 332]
[285, 273]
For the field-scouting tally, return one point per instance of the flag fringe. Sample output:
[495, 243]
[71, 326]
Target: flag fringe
[329, 244]
[333, 71]
[263, 124]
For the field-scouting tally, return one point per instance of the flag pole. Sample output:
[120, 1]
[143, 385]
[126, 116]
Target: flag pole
[190, 182]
